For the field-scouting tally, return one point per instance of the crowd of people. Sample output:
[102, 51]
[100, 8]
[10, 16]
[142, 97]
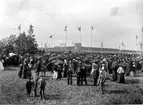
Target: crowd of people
[81, 66]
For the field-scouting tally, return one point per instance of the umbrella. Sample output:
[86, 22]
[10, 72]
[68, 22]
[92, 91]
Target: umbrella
[52, 58]
[95, 61]
[122, 64]
[57, 62]
[11, 54]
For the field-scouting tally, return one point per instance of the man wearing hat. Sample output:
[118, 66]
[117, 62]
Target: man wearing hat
[69, 74]
[94, 71]
[29, 85]
[59, 70]
[83, 74]
[78, 72]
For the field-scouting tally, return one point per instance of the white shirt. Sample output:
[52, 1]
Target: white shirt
[120, 70]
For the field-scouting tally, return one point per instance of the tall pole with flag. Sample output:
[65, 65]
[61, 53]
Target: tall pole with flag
[45, 48]
[136, 39]
[91, 37]
[123, 45]
[136, 43]
[142, 44]
[101, 46]
[79, 29]
[119, 50]
[19, 28]
[51, 36]
[66, 38]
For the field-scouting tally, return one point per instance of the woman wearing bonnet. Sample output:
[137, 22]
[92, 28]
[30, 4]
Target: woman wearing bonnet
[1, 64]
[120, 75]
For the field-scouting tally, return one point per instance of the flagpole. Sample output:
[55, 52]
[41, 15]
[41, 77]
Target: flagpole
[142, 43]
[91, 39]
[66, 37]
[66, 40]
[119, 50]
[80, 37]
[136, 44]
[101, 47]
[122, 48]
[19, 28]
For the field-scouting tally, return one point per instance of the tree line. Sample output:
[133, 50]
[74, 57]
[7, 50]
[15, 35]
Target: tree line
[21, 43]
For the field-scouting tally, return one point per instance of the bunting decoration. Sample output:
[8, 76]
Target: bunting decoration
[123, 45]
[19, 27]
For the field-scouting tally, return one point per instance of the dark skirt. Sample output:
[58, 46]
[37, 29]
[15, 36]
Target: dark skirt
[20, 73]
[120, 78]
[114, 75]
[25, 74]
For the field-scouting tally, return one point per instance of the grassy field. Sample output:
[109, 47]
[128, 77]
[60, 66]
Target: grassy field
[12, 91]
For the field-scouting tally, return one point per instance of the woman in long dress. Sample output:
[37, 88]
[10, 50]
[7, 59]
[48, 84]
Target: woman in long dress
[132, 69]
[95, 72]
[120, 75]
[55, 73]
[1, 65]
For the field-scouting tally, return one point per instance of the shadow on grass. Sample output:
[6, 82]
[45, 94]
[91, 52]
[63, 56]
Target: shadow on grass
[139, 75]
[10, 70]
[116, 91]
[55, 97]
[132, 81]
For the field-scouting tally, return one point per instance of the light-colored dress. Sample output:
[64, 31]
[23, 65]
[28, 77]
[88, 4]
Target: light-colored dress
[55, 75]
[120, 75]
[1, 65]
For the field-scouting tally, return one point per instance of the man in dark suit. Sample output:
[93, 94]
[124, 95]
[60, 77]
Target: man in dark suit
[83, 74]
[69, 75]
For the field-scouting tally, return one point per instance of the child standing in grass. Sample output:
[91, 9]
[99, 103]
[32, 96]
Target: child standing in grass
[102, 77]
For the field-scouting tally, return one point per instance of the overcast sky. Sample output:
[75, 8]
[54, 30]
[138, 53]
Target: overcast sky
[114, 21]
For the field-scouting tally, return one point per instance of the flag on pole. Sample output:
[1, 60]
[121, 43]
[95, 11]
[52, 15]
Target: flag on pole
[45, 45]
[123, 45]
[92, 28]
[114, 11]
[101, 44]
[119, 48]
[19, 27]
[51, 36]
[41, 44]
[79, 28]
[66, 28]
[136, 39]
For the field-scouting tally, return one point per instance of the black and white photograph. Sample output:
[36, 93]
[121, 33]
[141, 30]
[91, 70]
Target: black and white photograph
[71, 52]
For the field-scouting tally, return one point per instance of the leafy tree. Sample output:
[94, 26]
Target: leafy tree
[32, 43]
[7, 44]
[21, 44]
[27, 43]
